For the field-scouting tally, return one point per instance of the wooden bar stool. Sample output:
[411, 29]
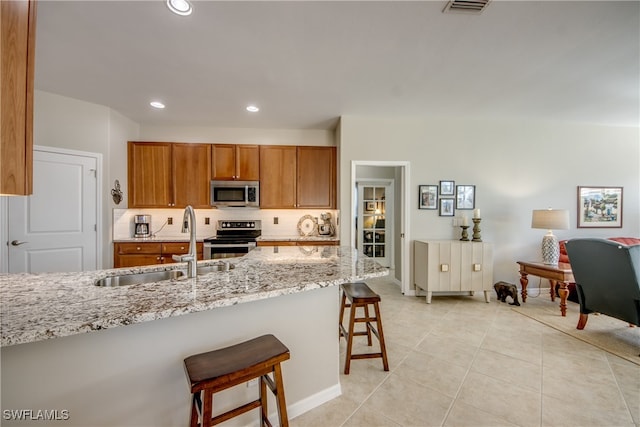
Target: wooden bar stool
[218, 370]
[360, 295]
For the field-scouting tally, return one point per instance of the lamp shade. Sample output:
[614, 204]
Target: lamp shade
[550, 219]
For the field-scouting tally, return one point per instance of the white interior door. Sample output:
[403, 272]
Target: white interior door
[54, 229]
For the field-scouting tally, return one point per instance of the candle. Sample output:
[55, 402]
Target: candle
[476, 213]
[465, 220]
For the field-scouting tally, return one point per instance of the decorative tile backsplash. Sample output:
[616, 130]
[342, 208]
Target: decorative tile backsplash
[287, 221]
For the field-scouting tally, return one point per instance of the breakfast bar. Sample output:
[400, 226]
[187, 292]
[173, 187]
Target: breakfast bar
[112, 355]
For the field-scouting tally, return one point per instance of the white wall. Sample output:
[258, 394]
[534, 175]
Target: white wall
[73, 124]
[516, 167]
[237, 135]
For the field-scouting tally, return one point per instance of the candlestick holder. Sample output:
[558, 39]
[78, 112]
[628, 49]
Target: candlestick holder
[476, 230]
[465, 234]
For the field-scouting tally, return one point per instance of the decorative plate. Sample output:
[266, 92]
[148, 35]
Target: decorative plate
[307, 226]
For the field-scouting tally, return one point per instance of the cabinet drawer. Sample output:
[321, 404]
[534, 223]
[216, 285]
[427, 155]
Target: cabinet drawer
[138, 248]
[276, 243]
[136, 260]
[179, 248]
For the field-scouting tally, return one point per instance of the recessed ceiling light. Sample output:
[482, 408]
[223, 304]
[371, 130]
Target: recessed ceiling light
[252, 109]
[156, 104]
[180, 7]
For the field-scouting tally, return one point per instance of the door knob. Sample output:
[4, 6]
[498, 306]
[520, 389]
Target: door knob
[18, 243]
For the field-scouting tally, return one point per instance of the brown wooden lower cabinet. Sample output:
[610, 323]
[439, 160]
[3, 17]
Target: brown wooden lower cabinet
[298, 243]
[133, 254]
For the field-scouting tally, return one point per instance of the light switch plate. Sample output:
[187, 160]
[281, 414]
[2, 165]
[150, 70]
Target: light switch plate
[444, 267]
[477, 267]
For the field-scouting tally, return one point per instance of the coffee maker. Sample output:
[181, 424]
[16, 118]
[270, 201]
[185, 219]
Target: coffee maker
[142, 226]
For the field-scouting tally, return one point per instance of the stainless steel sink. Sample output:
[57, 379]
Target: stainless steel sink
[214, 268]
[137, 278]
[158, 276]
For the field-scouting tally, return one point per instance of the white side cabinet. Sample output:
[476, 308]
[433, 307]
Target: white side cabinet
[453, 266]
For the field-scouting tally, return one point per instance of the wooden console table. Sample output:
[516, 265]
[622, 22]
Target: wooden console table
[556, 273]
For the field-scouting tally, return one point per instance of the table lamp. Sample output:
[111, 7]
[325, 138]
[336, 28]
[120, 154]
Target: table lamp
[550, 219]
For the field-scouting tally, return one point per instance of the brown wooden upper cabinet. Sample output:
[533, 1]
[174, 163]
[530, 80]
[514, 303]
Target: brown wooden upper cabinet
[278, 176]
[17, 54]
[163, 174]
[235, 162]
[297, 177]
[316, 176]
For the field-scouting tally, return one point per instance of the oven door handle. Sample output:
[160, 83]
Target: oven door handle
[230, 245]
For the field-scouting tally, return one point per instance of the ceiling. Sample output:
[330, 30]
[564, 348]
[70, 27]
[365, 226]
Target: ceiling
[307, 63]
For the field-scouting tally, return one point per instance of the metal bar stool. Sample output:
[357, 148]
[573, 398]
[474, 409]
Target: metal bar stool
[218, 370]
[360, 295]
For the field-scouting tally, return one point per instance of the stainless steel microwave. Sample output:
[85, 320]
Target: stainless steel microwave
[235, 193]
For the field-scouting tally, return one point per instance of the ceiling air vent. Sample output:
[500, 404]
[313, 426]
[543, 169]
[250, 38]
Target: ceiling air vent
[466, 6]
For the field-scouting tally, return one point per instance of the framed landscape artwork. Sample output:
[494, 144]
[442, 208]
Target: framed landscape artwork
[599, 207]
[428, 197]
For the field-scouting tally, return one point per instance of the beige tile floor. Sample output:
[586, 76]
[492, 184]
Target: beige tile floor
[462, 362]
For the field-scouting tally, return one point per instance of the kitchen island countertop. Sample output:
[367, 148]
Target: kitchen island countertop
[35, 307]
[298, 238]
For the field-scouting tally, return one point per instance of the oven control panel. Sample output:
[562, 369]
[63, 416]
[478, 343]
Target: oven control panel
[239, 225]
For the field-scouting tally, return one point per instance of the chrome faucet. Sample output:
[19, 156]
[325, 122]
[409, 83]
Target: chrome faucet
[189, 225]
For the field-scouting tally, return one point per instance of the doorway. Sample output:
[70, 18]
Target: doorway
[397, 173]
[56, 228]
[375, 220]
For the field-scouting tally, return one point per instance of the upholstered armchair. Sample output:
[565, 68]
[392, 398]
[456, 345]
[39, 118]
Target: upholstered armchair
[607, 275]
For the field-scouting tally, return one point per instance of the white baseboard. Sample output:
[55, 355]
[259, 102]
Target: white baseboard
[308, 403]
[313, 401]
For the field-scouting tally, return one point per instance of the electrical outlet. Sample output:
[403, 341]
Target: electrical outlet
[275, 220]
[170, 221]
[206, 220]
[455, 222]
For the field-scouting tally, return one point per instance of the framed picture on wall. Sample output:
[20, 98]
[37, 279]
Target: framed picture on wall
[447, 188]
[599, 207]
[428, 197]
[465, 197]
[447, 207]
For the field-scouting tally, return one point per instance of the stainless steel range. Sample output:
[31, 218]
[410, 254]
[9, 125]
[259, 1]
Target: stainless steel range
[232, 239]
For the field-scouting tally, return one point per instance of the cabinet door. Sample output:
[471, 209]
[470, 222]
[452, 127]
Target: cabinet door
[149, 173]
[191, 172]
[223, 163]
[235, 162]
[316, 175]
[277, 176]
[248, 162]
[17, 38]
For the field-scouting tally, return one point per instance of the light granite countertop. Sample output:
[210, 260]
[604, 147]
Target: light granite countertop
[298, 238]
[156, 239]
[36, 307]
